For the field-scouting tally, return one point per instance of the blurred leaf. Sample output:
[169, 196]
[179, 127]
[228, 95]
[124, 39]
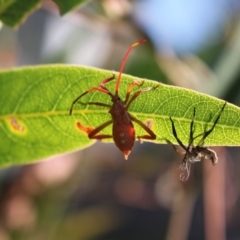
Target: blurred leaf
[13, 13]
[35, 102]
[5, 4]
[66, 6]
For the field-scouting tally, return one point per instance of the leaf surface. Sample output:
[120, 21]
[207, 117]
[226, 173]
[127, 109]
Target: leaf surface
[14, 12]
[35, 103]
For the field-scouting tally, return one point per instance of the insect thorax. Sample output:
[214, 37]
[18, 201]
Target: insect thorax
[193, 156]
[200, 153]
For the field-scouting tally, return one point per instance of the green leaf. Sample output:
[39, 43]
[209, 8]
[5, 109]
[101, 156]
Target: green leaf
[35, 102]
[4, 4]
[13, 13]
[66, 6]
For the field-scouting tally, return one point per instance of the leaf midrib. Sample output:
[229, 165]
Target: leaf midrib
[86, 111]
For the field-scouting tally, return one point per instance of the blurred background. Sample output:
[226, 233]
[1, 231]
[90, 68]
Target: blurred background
[94, 194]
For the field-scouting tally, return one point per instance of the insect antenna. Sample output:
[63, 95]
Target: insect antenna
[124, 61]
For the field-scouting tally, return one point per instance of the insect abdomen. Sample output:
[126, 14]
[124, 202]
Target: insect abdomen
[124, 137]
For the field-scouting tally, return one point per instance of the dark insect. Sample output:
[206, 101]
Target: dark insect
[196, 153]
[123, 132]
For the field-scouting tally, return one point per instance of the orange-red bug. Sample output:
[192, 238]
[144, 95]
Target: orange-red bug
[123, 132]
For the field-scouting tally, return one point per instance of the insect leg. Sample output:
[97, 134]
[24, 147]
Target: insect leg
[176, 137]
[97, 103]
[102, 84]
[92, 133]
[130, 88]
[88, 91]
[151, 135]
[174, 147]
[191, 139]
[206, 133]
[136, 94]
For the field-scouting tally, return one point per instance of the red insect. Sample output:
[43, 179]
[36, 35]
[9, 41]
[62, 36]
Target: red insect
[123, 132]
